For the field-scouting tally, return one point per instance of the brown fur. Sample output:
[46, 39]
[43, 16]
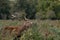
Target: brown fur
[18, 29]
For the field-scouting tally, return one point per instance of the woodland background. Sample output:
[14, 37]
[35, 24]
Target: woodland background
[31, 9]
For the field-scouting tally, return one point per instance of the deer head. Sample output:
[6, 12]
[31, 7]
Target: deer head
[27, 22]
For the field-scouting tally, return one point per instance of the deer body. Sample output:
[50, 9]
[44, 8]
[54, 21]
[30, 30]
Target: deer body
[18, 29]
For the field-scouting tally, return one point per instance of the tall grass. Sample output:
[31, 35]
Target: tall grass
[40, 30]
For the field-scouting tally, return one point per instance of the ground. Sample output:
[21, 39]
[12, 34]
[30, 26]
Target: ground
[40, 30]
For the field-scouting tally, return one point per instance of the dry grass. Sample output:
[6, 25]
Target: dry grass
[41, 30]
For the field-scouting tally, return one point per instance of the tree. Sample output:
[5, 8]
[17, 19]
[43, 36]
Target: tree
[29, 6]
[4, 9]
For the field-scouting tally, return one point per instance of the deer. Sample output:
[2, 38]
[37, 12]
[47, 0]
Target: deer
[18, 29]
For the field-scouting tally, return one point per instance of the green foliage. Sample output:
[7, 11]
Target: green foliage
[48, 9]
[57, 10]
[4, 9]
[32, 34]
[44, 9]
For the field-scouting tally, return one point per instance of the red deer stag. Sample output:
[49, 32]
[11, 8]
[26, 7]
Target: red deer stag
[18, 29]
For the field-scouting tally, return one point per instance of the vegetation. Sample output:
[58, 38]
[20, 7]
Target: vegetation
[41, 9]
[41, 30]
[31, 9]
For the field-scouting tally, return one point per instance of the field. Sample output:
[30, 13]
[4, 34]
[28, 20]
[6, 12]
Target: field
[40, 30]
